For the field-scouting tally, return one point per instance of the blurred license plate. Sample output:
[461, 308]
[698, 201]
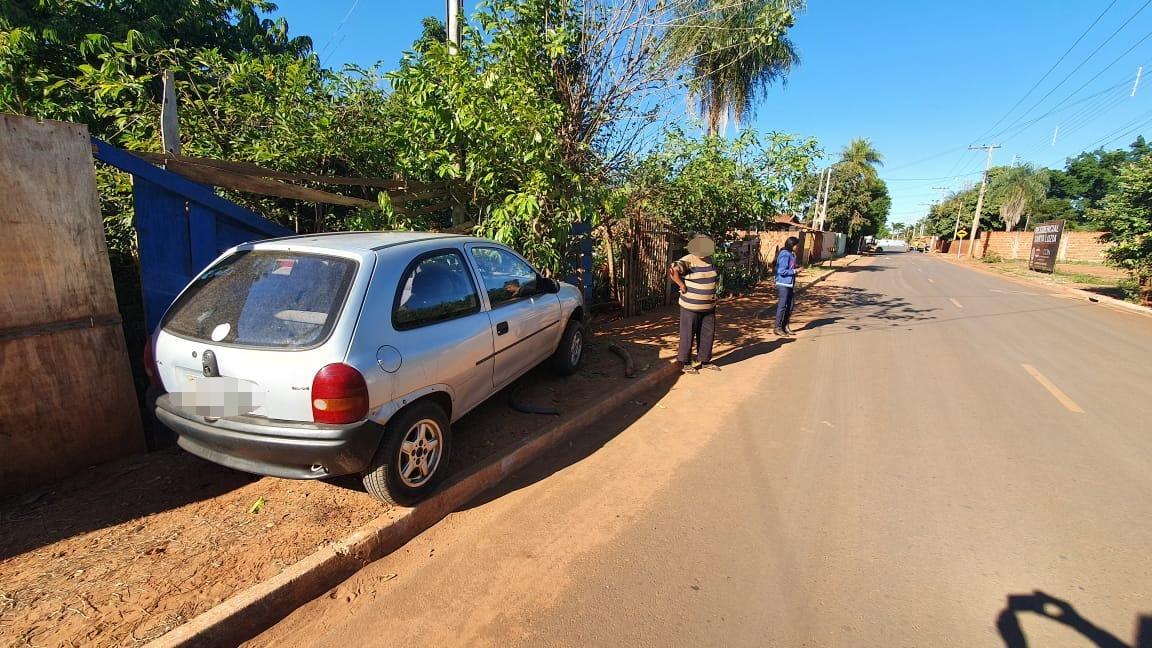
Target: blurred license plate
[217, 397]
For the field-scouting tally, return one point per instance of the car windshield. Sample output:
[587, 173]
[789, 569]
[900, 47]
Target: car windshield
[264, 299]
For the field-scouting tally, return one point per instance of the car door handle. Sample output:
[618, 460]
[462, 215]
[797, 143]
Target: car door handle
[501, 328]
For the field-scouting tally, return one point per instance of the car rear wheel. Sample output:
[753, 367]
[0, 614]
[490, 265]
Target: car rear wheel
[568, 356]
[413, 457]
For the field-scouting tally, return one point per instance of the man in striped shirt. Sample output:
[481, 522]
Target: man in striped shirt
[696, 277]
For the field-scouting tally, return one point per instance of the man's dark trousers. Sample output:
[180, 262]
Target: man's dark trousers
[700, 327]
[785, 295]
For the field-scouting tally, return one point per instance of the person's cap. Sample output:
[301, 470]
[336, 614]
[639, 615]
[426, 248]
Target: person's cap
[701, 246]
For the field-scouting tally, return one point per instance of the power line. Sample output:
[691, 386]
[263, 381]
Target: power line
[338, 28]
[947, 177]
[1109, 66]
[1050, 70]
[1082, 64]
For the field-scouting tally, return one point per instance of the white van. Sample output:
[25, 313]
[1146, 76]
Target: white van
[891, 245]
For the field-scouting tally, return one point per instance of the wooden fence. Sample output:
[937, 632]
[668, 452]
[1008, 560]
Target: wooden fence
[67, 400]
[647, 249]
[646, 252]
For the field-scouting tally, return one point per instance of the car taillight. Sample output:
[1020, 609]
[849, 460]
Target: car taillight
[150, 368]
[339, 395]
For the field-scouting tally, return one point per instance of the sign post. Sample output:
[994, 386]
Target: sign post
[1046, 246]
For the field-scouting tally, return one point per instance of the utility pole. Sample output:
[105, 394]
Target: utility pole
[918, 228]
[942, 191]
[956, 231]
[453, 9]
[824, 209]
[980, 200]
[818, 199]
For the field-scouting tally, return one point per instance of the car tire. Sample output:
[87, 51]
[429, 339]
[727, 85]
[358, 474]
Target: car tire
[395, 475]
[568, 356]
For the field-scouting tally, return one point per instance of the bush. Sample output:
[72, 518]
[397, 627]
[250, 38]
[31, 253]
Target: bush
[1133, 291]
[992, 257]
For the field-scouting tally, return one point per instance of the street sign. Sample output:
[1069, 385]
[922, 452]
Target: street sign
[962, 234]
[1045, 246]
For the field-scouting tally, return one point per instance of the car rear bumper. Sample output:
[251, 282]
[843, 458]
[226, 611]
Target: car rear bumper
[277, 448]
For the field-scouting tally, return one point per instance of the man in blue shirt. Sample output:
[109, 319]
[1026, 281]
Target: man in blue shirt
[786, 271]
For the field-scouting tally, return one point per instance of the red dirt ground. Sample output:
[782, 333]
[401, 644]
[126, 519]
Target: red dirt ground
[124, 552]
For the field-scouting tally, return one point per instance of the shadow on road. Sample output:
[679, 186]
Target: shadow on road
[817, 323]
[750, 351]
[863, 303]
[581, 446]
[1060, 611]
[862, 268]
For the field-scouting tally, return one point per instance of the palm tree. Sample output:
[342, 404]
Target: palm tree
[860, 185]
[733, 51]
[861, 157]
[1020, 188]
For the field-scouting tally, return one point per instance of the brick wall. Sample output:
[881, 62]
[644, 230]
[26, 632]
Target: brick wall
[1074, 246]
[770, 245]
[1082, 246]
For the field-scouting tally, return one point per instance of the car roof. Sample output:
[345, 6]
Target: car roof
[359, 242]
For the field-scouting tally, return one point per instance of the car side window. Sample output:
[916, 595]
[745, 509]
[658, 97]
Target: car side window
[505, 276]
[434, 289]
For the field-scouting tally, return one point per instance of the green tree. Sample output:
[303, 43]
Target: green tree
[1127, 215]
[1090, 177]
[497, 95]
[715, 185]
[1017, 190]
[858, 201]
[733, 51]
[45, 41]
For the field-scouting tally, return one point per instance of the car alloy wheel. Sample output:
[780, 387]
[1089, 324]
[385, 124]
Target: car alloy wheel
[420, 453]
[576, 350]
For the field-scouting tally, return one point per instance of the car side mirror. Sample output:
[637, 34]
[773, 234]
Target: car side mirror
[548, 286]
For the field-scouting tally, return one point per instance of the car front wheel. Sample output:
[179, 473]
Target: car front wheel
[566, 360]
[413, 457]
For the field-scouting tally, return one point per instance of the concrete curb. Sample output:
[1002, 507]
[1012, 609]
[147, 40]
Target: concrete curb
[1090, 296]
[251, 611]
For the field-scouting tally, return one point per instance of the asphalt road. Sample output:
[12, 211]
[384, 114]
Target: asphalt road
[935, 441]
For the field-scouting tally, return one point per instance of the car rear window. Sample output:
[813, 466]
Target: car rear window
[264, 299]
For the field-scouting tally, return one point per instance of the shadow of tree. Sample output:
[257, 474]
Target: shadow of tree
[863, 305]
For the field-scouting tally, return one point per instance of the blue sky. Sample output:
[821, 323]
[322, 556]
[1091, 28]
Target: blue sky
[922, 79]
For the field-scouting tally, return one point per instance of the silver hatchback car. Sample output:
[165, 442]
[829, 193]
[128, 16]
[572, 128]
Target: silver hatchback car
[313, 356]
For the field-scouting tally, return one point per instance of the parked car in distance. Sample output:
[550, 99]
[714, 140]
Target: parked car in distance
[313, 356]
[890, 245]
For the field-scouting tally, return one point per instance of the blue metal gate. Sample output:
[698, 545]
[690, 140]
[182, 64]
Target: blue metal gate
[181, 227]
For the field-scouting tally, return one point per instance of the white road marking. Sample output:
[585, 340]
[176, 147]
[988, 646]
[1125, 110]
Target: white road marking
[955, 303]
[1012, 292]
[1056, 392]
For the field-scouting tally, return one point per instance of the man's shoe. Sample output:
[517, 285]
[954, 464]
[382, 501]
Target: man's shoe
[710, 367]
[688, 369]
